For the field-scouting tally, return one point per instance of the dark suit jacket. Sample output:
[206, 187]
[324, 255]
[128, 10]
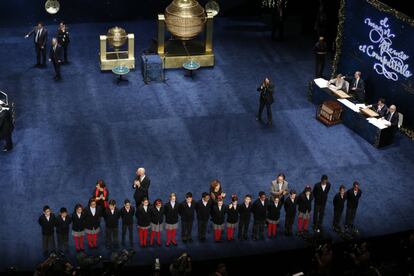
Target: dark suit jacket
[290, 207]
[143, 217]
[93, 221]
[305, 204]
[56, 55]
[171, 214]
[266, 93]
[394, 118]
[62, 226]
[111, 220]
[382, 112]
[321, 196]
[142, 191]
[352, 200]
[157, 217]
[359, 92]
[6, 123]
[41, 40]
[273, 212]
[47, 226]
[217, 216]
[339, 202]
[63, 37]
[187, 213]
[259, 210]
[245, 212]
[127, 217]
[78, 223]
[203, 212]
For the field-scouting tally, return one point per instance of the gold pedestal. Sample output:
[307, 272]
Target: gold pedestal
[173, 53]
[109, 60]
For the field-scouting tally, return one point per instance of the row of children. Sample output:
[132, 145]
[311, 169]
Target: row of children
[157, 216]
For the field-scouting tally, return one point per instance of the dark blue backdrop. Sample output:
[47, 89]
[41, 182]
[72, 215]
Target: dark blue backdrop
[369, 46]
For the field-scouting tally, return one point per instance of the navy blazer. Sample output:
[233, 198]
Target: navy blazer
[56, 54]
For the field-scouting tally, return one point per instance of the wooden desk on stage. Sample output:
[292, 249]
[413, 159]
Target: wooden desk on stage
[353, 118]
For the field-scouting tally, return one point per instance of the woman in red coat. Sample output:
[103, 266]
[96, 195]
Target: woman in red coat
[101, 194]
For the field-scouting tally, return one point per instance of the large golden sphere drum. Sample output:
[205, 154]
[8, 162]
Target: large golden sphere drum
[116, 37]
[185, 19]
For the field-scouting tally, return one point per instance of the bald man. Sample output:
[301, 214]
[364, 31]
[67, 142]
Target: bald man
[392, 116]
[141, 185]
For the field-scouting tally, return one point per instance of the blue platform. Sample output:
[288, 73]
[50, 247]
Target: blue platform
[185, 132]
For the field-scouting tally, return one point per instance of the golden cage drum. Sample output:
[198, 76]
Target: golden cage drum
[185, 19]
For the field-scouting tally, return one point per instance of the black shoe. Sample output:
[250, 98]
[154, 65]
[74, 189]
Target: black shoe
[269, 123]
[258, 119]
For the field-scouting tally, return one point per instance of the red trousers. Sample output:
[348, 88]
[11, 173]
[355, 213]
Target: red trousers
[271, 230]
[153, 234]
[230, 233]
[217, 235]
[92, 240]
[303, 224]
[78, 243]
[143, 235]
[171, 236]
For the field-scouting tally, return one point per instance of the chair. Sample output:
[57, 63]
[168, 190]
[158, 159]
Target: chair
[400, 119]
[346, 86]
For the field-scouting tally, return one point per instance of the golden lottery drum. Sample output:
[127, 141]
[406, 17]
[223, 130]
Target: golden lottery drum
[185, 19]
[116, 37]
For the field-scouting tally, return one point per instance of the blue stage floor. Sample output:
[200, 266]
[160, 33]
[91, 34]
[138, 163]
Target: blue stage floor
[185, 132]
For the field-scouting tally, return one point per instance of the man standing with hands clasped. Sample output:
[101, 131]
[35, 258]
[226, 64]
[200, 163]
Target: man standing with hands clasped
[40, 38]
[55, 56]
[141, 186]
[266, 99]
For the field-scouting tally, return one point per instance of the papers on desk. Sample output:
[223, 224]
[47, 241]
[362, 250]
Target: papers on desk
[379, 123]
[322, 83]
[349, 104]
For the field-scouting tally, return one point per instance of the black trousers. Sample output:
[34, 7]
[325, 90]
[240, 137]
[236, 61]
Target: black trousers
[202, 229]
[56, 66]
[65, 52]
[289, 220]
[278, 27]
[8, 142]
[258, 229]
[62, 241]
[319, 65]
[48, 243]
[243, 229]
[111, 236]
[40, 54]
[268, 105]
[186, 229]
[318, 214]
[350, 216]
[337, 218]
[129, 228]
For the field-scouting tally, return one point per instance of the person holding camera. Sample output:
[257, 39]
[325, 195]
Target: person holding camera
[266, 99]
[181, 266]
[6, 128]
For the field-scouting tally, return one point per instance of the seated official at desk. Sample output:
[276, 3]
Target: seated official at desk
[357, 88]
[392, 116]
[339, 82]
[380, 107]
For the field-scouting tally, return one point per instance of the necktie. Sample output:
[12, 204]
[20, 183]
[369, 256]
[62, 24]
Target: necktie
[37, 35]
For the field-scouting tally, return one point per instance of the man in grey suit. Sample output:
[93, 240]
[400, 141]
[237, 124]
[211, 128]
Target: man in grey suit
[279, 187]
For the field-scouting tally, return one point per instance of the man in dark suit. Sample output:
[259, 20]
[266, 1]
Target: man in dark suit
[358, 87]
[6, 128]
[266, 99]
[244, 217]
[320, 193]
[55, 56]
[352, 195]
[40, 38]
[141, 185]
[278, 18]
[339, 204]
[320, 49]
[259, 210]
[63, 40]
[392, 116]
[380, 107]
